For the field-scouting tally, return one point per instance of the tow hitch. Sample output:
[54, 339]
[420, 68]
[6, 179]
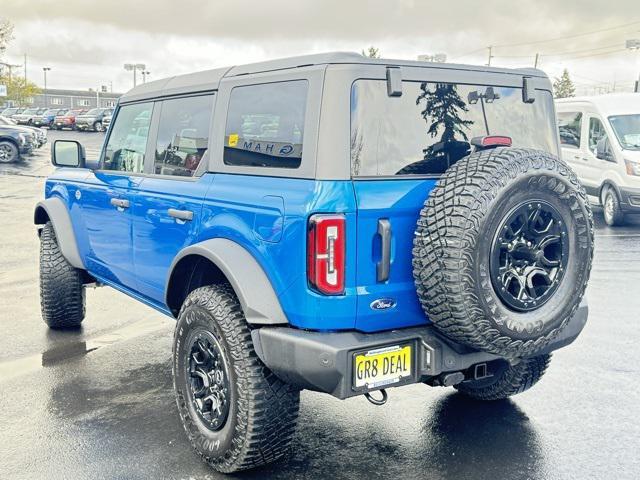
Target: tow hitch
[377, 401]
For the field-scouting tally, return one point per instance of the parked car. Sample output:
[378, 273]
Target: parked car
[67, 120]
[28, 115]
[15, 141]
[40, 134]
[106, 121]
[92, 120]
[600, 139]
[47, 118]
[350, 226]
[10, 112]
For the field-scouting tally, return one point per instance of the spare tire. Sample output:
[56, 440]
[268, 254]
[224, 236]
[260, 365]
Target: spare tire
[503, 250]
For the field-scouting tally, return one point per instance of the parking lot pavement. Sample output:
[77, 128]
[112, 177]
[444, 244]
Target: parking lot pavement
[98, 403]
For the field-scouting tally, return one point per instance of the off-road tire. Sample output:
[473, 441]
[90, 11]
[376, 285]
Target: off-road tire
[62, 292]
[453, 238]
[507, 381]
[263, 410]
[613, 214]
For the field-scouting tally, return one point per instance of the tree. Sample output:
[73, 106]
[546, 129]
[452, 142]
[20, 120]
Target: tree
[563, 87]
[18, 91]
[372, 52]
[6, 35]
[442, 108]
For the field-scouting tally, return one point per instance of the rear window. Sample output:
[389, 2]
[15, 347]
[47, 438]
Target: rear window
[265, 125]
[429, 127]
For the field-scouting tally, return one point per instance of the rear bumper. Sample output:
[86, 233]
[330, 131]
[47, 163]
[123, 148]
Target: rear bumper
[323, 361]
[630, 199]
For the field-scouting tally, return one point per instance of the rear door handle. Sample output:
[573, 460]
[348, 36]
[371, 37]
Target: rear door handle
[120, 203]
[384, 265]
[184, 215]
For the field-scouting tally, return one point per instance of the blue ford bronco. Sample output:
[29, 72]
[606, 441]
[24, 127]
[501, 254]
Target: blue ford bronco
[329, 222]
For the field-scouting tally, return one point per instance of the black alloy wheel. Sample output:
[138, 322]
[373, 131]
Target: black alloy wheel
[208, 378]
[529, 255]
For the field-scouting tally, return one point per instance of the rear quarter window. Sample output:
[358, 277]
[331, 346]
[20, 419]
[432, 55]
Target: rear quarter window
[570, 128]
[429, 127]
[265, 125]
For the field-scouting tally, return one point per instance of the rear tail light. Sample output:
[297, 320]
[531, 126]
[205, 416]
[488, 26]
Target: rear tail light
[491, 141]
[326, 253]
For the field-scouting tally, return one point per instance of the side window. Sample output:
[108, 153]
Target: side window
[570, 126]
[183, 135]
[128, 139]
[265, 125]
[596, 133]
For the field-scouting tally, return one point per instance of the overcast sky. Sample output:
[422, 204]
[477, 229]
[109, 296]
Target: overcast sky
[86, 43]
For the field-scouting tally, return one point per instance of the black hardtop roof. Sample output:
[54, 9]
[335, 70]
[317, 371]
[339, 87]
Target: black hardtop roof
[210, 79]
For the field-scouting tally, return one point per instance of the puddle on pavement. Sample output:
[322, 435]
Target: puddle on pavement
[69, 350]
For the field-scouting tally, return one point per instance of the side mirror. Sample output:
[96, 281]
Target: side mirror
[603, 150]
[67, 153]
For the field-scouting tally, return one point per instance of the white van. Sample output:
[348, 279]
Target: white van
[600, 139]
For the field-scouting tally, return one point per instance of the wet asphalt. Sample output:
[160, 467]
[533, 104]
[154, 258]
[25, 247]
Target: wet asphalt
[98, 403]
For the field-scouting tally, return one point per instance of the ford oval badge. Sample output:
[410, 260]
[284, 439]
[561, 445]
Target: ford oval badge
[383, 304]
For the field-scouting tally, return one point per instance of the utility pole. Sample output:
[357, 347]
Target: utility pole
[490, 48]
[535, 63]
[46, 98]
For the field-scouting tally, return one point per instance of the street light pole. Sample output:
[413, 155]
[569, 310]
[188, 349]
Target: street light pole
[634, 44]
[134, 67]
[46, 98]
[145, 73]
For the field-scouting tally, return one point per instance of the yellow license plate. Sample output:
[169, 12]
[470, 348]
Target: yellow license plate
[382, 366]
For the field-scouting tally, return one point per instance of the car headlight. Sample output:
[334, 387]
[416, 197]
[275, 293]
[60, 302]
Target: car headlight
[633, 168]
[22, 138]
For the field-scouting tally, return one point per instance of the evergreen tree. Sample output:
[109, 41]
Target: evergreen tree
[563, 87]
[442, 108]
[372, 52]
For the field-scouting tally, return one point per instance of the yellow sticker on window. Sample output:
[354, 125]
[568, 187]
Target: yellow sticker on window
[233, 139]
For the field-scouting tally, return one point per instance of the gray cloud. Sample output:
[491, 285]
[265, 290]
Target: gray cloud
[244, 20]
[175, 36]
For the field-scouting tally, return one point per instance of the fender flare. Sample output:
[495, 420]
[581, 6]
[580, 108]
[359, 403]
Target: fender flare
[609, 183]
[53, 209]
[257, 297]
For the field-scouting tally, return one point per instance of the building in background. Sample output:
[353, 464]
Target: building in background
[57, 98]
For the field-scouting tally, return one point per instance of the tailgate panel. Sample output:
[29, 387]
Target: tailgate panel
[399, 201]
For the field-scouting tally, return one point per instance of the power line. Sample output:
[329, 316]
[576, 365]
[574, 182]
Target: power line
[561, 54]
[469, 53]
[536, 42]
[593, 55]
